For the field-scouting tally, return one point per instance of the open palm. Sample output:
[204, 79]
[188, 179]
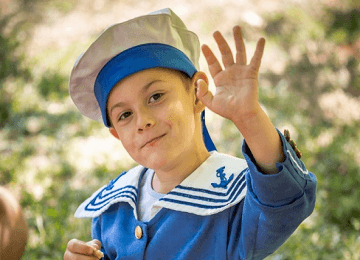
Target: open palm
[236, 95]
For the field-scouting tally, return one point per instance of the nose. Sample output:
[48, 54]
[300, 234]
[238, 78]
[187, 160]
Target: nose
[145, 121]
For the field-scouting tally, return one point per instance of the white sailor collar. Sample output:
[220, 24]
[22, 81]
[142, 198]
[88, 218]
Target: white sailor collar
[217, 184]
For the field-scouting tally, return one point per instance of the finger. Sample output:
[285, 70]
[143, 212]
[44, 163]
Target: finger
[256, 59]
[71, 256]
[95, 243]
[80, 247]
[213, 63]
[226, 54]
[98, 254]
[203, 93]
[240, 46]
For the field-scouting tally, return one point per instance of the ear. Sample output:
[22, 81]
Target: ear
[114, 133]
[198, 105]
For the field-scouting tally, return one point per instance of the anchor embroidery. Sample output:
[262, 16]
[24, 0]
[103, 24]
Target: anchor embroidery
[223, 180]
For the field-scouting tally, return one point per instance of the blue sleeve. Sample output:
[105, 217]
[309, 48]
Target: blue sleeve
[96, 234]
[274, 206]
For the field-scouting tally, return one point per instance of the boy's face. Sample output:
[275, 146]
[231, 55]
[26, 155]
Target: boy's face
[156, 118]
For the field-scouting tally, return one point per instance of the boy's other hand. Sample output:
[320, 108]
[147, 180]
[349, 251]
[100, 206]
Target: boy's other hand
[79, 250]
[236, 96]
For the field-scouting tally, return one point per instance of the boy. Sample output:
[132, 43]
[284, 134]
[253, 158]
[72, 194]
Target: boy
[184, 200]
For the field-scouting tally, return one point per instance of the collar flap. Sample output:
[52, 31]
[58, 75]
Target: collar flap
[214, 186]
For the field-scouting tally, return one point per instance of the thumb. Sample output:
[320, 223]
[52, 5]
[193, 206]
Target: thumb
[203, 93]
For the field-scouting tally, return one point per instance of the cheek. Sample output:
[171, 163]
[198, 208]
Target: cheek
[175, 112]
[180, 115]
[172, 113]
[127, 141]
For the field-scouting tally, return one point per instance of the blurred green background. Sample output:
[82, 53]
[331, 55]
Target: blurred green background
[52, 158]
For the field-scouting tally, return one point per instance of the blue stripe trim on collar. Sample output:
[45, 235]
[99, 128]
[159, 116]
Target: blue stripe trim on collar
[114, 191]
[190, 196]
[205, 206]
[110, 196]
[108, 201]
[111, 183]
[241, 175]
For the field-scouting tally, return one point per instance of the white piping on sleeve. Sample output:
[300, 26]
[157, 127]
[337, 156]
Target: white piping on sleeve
[292, 158]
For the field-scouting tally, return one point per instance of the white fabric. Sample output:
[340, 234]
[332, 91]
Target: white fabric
[147, 197]
[162, 26]
[195, 194]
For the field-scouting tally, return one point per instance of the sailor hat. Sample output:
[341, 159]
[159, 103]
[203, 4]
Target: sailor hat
[159, 39]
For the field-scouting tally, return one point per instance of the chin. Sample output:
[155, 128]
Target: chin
[155, 164]
[155, 161]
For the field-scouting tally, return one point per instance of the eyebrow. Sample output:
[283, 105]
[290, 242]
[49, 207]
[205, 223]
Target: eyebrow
[144, 89]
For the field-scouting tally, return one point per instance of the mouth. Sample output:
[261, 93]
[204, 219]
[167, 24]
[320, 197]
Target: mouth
[151, 142]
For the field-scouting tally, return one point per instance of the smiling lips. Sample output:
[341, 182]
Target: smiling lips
[152, 141]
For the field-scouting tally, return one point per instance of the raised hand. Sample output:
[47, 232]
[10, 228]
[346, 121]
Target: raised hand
[236, 96]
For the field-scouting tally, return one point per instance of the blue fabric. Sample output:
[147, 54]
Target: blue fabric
[206, 136]
[138, 58]
[272, 209]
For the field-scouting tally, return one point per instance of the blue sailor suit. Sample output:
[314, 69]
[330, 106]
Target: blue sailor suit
[226, 209]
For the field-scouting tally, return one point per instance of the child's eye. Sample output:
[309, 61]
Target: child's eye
[155, 97]
[125, 115]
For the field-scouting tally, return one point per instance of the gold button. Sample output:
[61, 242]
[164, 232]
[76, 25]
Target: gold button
[138, 232]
